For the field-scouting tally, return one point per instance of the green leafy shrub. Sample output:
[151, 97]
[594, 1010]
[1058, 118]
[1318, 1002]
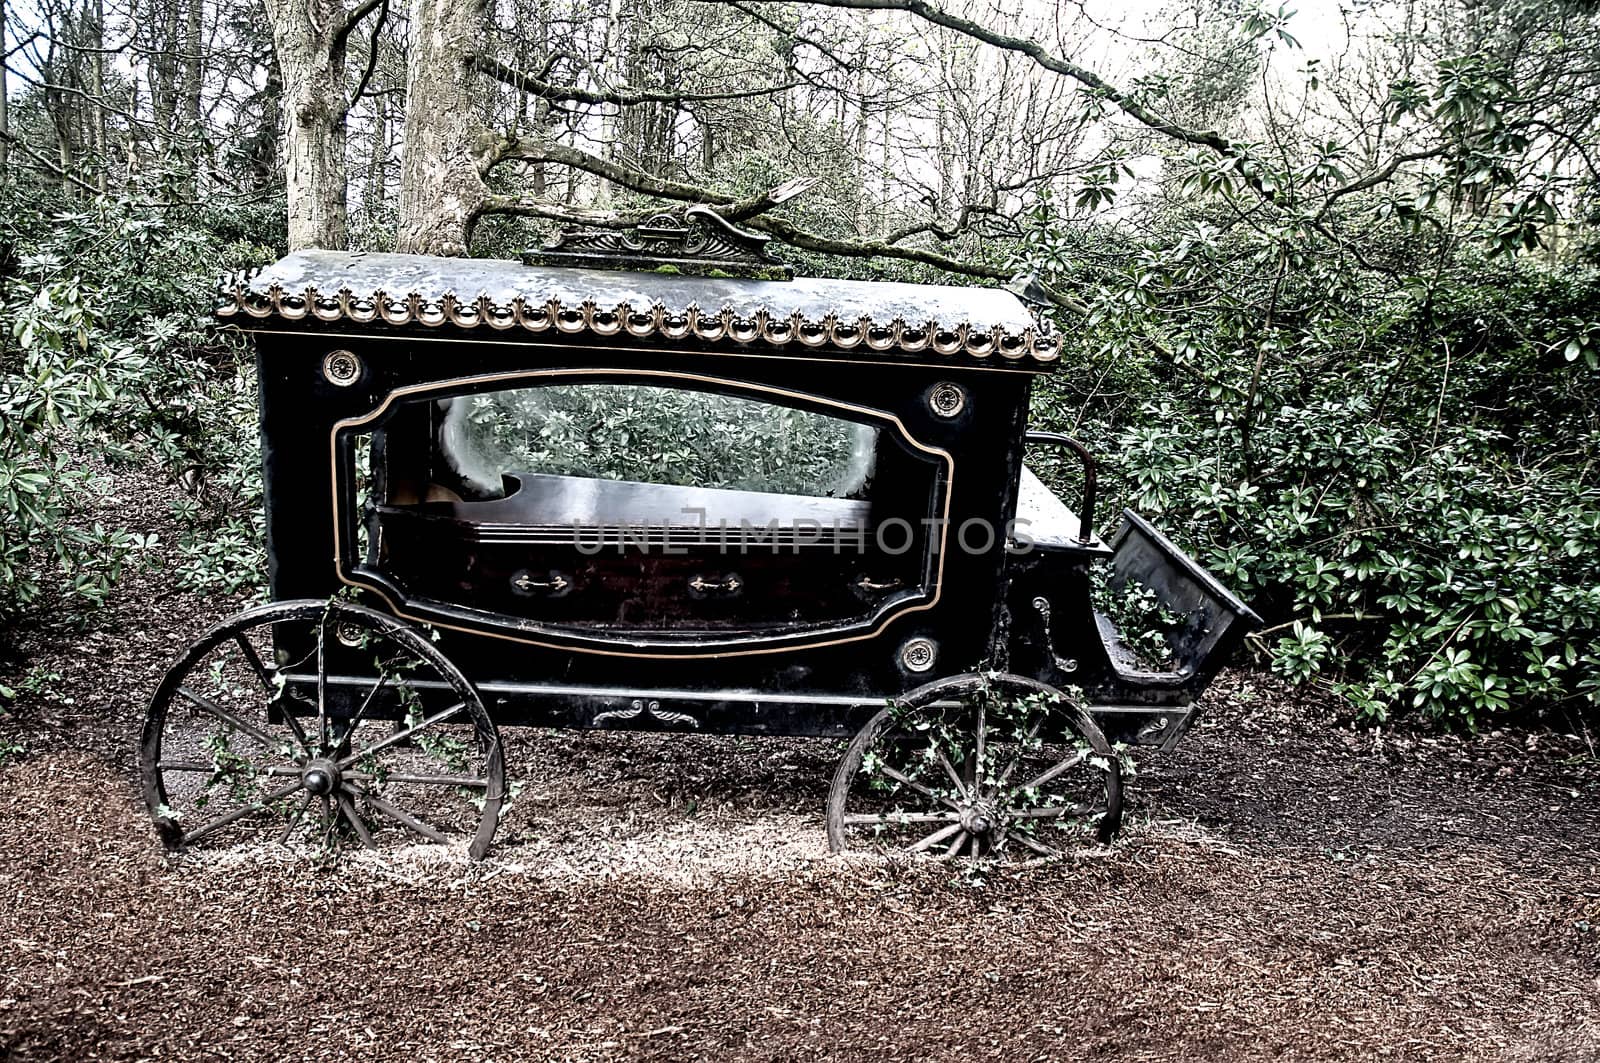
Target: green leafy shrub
[55, 386]
[1367, 395]
[109, 357]
[1402, 481]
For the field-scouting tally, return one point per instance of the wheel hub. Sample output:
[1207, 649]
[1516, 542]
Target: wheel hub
[980, 818]
[320, 777]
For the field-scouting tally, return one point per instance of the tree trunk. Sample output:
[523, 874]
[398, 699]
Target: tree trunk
[162, 26]
[132, 161]
[5, 116]
[97, 90]
[65, 152]
[378, 163]
[261, 146]
[441, 182]
[612, 120]
[311, 61]
[192, 66]
[189, 92]
[58, 102]
[540, 111]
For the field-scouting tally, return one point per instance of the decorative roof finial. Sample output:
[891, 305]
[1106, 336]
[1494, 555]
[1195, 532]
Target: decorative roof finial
[702, 244]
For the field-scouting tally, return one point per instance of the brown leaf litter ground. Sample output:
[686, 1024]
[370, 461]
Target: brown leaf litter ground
[1285, 889]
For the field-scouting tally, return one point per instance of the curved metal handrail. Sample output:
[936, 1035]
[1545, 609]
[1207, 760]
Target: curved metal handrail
[1086, 518]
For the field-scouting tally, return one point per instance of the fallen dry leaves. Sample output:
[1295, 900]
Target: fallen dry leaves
[1286, 889]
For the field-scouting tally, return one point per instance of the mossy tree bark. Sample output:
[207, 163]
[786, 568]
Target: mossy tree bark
[442, 188]
[310, 39]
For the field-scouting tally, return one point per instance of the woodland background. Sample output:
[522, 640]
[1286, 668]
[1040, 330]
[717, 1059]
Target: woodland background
[1330, 278]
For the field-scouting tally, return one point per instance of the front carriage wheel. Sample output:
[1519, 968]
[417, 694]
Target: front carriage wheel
[995, 766]
[321, 722]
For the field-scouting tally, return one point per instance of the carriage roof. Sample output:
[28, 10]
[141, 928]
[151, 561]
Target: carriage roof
[874, 321]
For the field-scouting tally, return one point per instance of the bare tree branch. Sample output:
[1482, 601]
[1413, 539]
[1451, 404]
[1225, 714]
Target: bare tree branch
[372, 55]
[536, 149]
[621, 97]
[750, 210]
[341, 30]
[533, 208]
[1375, 178]
[772, 24]
[22, 146]
[1034, 51]
[908, 231]
[133, 120]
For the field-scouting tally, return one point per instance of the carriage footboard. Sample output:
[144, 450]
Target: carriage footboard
[1213, 621]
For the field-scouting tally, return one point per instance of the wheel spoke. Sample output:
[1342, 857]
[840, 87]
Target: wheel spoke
[227, 717]
[1037, 846]
[294, 725]
[186, 765]
[406, 819]
[1052, 811]
[273, 693]
[239, 813]
[400, 736]
[982, 738]
[270, 685]
[322, 678]
[1033, 732]
[269, 682]
[887, 819]
[906, 780]
[254, 660]
[935, 838]
[955, 846]
[423, 780]
[348, 808]
[212, 769]
[355, 721]
[1054, 772]
[294, 819]
[950, 770]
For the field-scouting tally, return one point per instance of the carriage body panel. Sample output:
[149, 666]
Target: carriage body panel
[582, 596]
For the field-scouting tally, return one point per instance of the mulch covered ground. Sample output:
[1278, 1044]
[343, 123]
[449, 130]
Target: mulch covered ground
[1286, 889]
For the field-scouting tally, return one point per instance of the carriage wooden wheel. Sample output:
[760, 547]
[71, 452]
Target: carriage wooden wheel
[320, 722]
[990, 765]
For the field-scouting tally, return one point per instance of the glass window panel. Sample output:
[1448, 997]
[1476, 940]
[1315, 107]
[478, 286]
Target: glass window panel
[658, 435]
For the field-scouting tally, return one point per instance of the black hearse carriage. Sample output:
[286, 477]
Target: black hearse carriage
[651, 481]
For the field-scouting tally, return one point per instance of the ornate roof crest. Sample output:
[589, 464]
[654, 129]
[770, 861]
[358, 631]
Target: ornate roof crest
[702, 244]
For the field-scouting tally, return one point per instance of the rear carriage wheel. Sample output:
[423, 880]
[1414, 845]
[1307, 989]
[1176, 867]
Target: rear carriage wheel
[995, 766]
[321, 722]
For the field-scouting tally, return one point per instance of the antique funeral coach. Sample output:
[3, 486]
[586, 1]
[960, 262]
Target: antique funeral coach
[650, 480]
